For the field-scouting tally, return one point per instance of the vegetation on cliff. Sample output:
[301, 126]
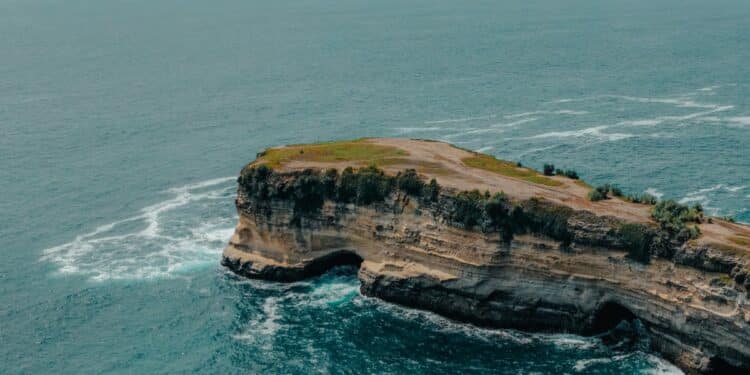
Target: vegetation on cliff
[550, 170]
[357, 151]
[508, 169]
[469, 210]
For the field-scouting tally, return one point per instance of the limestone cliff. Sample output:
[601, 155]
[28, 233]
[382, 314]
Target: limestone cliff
[538, 257]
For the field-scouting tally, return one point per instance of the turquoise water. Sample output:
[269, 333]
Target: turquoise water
[124, 122]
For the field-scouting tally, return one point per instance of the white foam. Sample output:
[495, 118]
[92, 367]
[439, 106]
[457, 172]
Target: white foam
[583, 364]
[484, 149]
[740, 121]
[654, 192]
[263, 328]
[694, 198]
[662, 367]
[462, 119]
[573, 341]
[709, 88]
[592, 132]
[160, 241]
[559, 112]
[642, 122]
[418, 129]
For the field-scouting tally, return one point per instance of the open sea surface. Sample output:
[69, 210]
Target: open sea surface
[124, 122]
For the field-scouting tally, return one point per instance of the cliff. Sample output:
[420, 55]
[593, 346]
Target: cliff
[523, 251]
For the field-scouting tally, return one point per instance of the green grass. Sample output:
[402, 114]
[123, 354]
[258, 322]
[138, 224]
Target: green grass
[508, 169]
[358, 151]
[740, 240]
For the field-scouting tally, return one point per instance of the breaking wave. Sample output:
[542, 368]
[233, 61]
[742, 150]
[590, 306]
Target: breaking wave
[185, 231]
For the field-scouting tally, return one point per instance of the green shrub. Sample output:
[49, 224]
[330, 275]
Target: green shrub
[468, 208]
[497, 208]
[308, 193]
[559, 172]
[602, 192]
[638, 239]
[329, 179]
[346, 187]
[644, 198]
[673, 215]
[409, 182]
[549, 169]
[571, 174]
[372, 185]
[432, 191]
[673, 218]
[254, 181]
[543, 217]
[597, 194]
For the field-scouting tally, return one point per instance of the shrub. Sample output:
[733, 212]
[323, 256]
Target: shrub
[408, 181]
[672, 215]
[497, 208]
[644, 198]
[637, 239]
[254, 181]
[468, 208]
[308, 193]
[602, 192]
[673, 218]
[432, 191]
[546, 218]
[329, 179]
[597, 194]
[549, 169]
[571, 174]
[559, 172]
[346, 188]
[372, 185]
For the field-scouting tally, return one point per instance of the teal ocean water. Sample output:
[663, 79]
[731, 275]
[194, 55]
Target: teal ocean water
[124, 122]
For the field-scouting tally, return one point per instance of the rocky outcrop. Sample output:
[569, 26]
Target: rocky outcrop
[572, 276]
[409, 257]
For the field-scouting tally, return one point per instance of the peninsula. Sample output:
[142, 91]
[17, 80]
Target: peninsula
[496, 244]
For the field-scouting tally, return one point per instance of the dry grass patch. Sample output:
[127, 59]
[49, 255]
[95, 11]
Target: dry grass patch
[359, 151]
[508, 169]
[728, 249]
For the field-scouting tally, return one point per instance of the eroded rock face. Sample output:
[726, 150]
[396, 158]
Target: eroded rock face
[409, 254]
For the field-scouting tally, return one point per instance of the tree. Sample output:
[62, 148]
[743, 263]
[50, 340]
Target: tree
[308, 193]
[346, 188]
[432, 191]
[549, 169]
[408, 181]
[372, 185]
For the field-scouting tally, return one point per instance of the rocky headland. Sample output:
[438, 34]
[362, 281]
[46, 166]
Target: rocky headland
[495, 244]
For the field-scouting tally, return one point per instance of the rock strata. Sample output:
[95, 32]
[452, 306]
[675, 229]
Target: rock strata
[575, 277]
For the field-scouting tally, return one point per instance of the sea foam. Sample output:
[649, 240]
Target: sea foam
[166, 239]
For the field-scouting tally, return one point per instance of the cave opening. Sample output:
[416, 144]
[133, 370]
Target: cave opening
[339, 258]
[609, 316]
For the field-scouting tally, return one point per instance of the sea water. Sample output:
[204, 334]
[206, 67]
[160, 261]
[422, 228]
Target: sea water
[124, 124]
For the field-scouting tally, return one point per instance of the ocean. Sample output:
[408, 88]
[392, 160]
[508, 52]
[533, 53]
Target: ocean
[125, 122]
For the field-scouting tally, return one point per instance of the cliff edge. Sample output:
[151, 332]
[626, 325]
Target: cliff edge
[495, 244]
